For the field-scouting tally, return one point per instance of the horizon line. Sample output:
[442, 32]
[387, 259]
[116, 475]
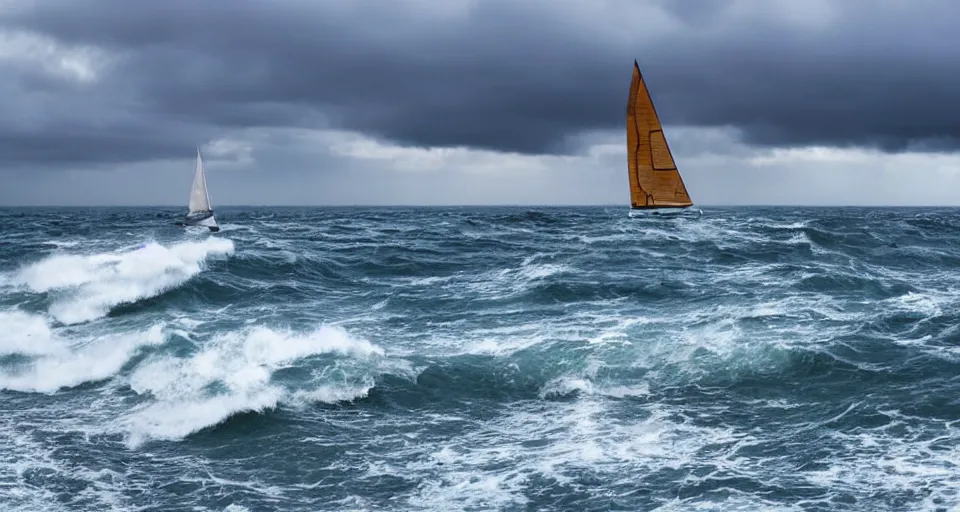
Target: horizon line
[481, 205]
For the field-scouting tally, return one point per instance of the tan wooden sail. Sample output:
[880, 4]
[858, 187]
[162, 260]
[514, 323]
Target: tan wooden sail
[655, 181]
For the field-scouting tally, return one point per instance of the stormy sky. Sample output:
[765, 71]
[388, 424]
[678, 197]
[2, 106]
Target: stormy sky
[475, 101]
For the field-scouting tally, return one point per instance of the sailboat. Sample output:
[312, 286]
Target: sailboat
[655, 184]
[199, 212]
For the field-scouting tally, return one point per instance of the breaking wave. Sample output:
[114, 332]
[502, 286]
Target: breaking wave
[235, 373]
[86, 287]
[477, 359]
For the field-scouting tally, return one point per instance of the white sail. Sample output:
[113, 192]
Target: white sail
[199, 198]
[200, 213]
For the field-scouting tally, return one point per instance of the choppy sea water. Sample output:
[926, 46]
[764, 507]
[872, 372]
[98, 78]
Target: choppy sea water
[480, 359]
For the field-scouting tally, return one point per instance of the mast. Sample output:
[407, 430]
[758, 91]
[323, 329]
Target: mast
[655, 181]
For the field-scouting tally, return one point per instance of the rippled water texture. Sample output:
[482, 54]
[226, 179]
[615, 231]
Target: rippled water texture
[480, 359]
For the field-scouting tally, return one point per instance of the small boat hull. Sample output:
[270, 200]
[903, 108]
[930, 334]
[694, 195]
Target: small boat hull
[213, 229]
[688, 211]
[202, 221]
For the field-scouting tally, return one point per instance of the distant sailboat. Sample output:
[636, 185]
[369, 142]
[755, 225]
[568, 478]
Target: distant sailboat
[199, 211]
[655, 183]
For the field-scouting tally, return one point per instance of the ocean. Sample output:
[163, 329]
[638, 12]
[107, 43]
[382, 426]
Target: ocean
[501, 358]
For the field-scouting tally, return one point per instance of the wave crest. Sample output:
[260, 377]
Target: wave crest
[87, 287]
[237, 372]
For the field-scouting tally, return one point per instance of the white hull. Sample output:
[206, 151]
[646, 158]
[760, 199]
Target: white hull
[689, 211]
[209, 222]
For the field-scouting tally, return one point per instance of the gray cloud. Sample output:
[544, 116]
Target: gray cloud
[526, 77]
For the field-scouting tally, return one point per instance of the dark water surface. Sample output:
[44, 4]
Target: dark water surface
[480, 359]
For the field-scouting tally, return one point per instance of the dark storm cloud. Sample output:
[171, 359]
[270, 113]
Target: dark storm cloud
[526, 77]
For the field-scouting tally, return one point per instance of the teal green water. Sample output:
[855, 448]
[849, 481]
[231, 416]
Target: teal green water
[480, 359]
